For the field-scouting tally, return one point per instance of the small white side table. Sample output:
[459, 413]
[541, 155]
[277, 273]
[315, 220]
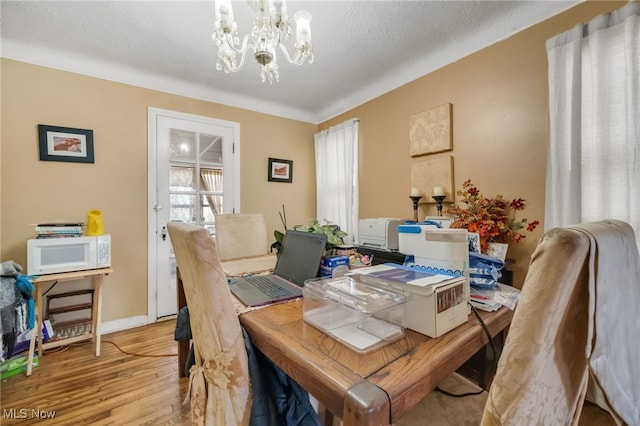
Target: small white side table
[50, 280]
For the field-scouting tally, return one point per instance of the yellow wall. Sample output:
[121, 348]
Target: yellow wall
[500, 132]
[34, 190]
[500, 127]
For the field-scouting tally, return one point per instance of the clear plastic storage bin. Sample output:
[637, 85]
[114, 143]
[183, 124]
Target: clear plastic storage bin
[360, 315]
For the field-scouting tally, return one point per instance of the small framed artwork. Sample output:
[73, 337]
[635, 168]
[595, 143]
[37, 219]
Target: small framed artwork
[430, 131]
[431, 172]
[280, 170]
[65, 144]
[497, 250]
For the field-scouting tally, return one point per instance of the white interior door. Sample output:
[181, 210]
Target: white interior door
[193, 174]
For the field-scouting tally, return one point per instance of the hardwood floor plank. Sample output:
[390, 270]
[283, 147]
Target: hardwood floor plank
[78, 388]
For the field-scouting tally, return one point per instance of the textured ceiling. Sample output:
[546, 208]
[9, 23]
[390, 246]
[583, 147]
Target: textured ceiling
[362, 49]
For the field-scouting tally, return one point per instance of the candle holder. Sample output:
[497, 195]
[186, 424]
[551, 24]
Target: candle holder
[439, 199]
[415, 199]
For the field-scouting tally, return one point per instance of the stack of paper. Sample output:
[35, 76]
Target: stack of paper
[492, 298]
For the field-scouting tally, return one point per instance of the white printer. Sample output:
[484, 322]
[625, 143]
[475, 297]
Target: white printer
[380, 233]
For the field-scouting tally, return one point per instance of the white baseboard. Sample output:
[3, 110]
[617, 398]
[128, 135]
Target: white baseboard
[123, 324]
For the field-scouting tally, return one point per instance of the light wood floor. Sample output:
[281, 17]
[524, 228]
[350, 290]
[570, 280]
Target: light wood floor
[78, 388]
[112, 389]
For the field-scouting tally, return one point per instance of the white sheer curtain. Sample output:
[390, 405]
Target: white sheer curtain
[337, 176]
[593, 169]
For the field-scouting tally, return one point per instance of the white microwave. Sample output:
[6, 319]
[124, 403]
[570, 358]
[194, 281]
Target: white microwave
[54, 255]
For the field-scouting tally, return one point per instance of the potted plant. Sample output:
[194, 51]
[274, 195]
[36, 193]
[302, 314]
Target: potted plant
[335, 237]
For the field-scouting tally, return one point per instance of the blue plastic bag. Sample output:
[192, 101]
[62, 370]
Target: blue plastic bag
[484, 271]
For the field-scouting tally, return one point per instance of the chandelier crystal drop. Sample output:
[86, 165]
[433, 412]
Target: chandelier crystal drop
[271, 28]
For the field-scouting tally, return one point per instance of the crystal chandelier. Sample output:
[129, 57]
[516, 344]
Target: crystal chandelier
[271, 29]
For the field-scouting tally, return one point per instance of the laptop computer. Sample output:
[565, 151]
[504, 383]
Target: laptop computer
[298, 260]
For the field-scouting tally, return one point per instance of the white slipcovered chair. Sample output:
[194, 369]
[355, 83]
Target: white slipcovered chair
[219, 382]
[242, 244]
[575, 336]
[576, 327]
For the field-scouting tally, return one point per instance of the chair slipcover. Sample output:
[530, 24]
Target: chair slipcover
[576, 319]
[613, 345]
[220, 387]
[241, 235]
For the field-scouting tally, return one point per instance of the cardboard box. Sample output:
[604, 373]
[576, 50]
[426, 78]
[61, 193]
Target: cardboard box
[437, 309]
[436, 247]
[360, 315]
[438, 302]
[23, 340]
[435, 250]
[331, 266]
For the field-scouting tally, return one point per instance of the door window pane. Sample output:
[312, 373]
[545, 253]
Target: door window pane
[182, 179]
[211, 204]
[183, 208]
[210, 149]
[211, 180]
[182, 145]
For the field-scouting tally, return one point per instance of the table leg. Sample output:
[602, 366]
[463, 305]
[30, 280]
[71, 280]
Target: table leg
[32, 344]
[39, 317]
[97, 311]
[366, 404]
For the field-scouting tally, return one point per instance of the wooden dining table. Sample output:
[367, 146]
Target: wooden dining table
[372, 388]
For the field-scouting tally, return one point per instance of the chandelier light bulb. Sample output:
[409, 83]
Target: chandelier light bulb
[271, 28]
[224, 15]
[277, 7]
[303, 26]
[278, 12]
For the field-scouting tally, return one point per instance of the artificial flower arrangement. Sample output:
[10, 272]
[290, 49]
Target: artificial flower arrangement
[493, 219]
